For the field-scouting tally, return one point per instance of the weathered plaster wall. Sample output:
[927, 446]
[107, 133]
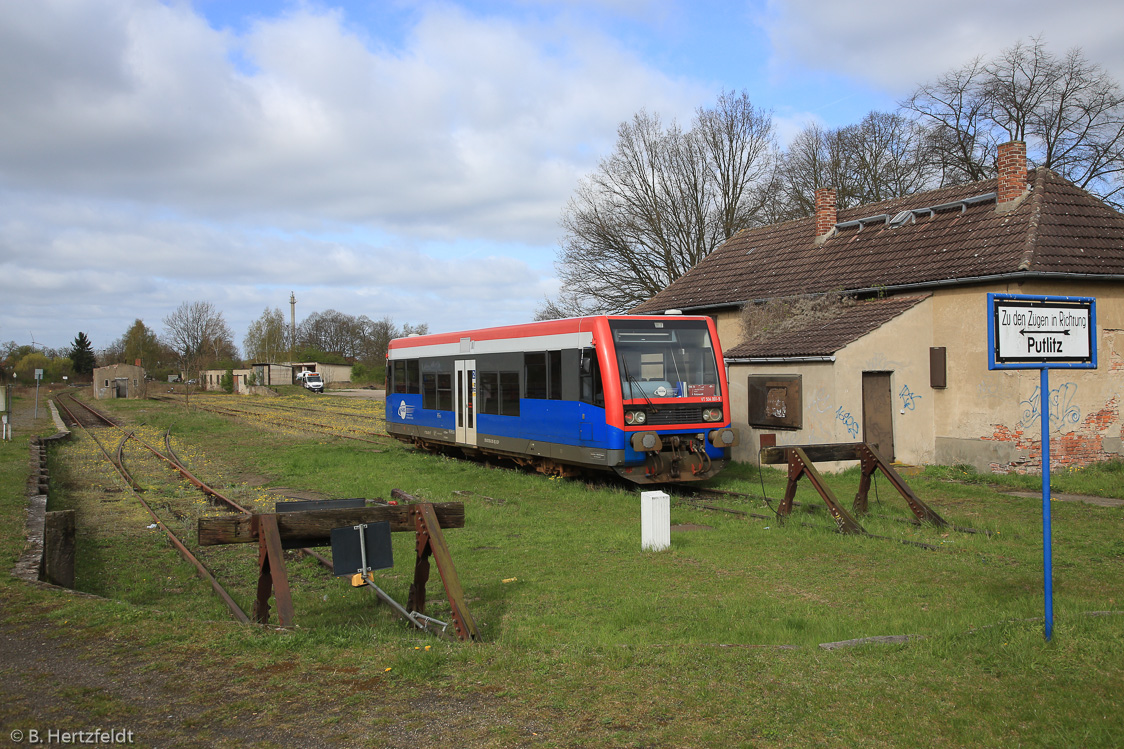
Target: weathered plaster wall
[988, 419]
[104, 381]
[832, 392]
[992, 419]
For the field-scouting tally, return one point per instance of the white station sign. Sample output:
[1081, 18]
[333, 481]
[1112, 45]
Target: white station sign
[1043, 331]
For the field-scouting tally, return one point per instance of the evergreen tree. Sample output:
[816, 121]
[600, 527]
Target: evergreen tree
[82, 355]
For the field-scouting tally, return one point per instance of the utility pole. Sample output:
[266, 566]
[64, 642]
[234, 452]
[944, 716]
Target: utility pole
[292, 326]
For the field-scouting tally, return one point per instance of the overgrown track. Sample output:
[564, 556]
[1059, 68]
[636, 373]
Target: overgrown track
[270, 416]
[693, 502]
[223, 502]
[82, 415]
[135, 488]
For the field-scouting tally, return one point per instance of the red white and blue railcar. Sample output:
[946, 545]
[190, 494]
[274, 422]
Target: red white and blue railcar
[644, 396]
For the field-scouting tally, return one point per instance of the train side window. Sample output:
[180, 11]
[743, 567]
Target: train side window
[509, 393]
[489, 393]
[413, 377]
[535, 367]
[444, 391]
[499, 393]
[555, 365]
[590, 379]
[437, 384]
[400, 376]
[429, 390]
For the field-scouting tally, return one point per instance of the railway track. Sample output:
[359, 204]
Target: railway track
[86, 414]
[89, 415]
[702, 504]
[269, 416]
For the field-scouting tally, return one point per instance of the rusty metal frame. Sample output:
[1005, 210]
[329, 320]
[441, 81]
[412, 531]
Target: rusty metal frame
[430, 541]
[272, 575]
[800, 464]
[273, 579]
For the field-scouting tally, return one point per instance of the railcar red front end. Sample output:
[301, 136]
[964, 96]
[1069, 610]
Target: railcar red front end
[644, 396]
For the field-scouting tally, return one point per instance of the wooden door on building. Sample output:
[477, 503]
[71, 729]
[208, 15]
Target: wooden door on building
[878, 413]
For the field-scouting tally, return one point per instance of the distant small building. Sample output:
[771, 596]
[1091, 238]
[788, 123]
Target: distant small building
[211, 379]
[270, 375]
[119, 381]
[329, 372]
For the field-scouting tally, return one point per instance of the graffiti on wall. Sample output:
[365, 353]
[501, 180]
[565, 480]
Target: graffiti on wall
[987, 390]
[848, 421]
[879, 363]
[1059, 404]
[909, 398]
[822, 403]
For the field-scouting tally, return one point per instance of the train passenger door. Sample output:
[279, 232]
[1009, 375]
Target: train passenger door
[466, 401]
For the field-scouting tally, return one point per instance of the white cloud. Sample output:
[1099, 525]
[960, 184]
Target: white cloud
[473, 129]
[147, 158]
[899, 44]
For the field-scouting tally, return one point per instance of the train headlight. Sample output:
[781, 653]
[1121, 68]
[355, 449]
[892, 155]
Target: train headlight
[712, 414]
[635, 418]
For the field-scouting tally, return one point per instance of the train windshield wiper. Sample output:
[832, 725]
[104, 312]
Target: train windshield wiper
[632, 381]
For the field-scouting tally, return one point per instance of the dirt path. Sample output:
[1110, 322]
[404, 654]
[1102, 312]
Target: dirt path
[55, 676]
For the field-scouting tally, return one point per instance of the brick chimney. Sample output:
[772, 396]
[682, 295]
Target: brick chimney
[1012, 175]
[826, 214]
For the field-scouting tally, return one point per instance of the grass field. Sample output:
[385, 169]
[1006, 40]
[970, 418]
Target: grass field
[590, 641]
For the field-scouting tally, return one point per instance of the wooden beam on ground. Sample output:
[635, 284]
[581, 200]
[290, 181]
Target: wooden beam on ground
[314, 527]
[815, 453]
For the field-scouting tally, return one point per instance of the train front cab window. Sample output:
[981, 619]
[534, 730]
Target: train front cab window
[672, 358]
[589, 380]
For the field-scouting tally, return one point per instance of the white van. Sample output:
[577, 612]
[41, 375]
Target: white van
[311, 380]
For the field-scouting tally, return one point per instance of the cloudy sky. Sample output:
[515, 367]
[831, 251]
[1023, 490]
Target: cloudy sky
[387, 157]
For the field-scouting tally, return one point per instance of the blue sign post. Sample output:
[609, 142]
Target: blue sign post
[1043, 333]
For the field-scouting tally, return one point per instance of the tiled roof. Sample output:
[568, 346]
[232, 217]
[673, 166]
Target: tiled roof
[1056, 228]
[825, 337]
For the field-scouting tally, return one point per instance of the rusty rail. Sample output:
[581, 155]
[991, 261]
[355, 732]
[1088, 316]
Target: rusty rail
[200, 568]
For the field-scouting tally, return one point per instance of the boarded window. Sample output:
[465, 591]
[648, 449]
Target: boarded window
[938, 367]
[775, 402]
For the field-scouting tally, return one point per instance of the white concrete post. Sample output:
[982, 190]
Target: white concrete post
[655, 521]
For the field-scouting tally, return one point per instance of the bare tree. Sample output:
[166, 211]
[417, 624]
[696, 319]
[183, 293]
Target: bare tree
[199, 335]
[331, 332]
[661, 202]
[816, 158]
[954, 108]
[1069, 112]
[884, 156]
[890, 156]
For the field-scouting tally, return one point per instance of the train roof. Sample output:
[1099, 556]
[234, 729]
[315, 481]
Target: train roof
[565, 326]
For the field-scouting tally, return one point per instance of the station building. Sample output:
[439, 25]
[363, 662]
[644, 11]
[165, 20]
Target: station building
[902, 359]
[119, 381]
